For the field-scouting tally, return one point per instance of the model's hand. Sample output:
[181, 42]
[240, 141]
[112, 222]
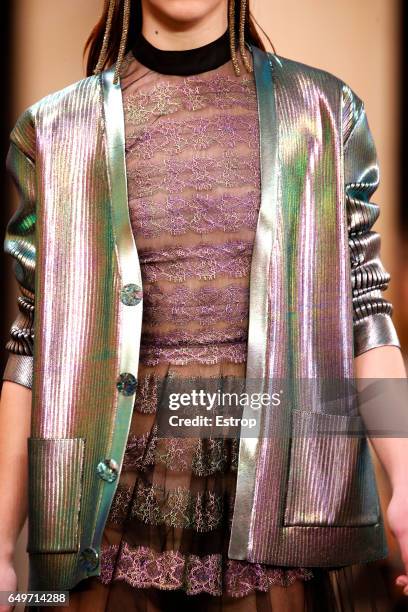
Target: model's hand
[8, 582]
[397, 516]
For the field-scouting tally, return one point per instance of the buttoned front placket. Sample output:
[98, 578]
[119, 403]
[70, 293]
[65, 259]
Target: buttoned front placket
[130, 314]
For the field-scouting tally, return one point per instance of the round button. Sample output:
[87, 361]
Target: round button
[108, 470]
[89, 558]
[131, 294]
[126, 383]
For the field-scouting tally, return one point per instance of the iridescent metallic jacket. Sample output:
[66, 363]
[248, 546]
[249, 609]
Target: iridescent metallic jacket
[316, 302]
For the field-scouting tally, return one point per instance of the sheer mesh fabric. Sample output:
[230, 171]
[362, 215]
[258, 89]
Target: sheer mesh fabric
[192, 155]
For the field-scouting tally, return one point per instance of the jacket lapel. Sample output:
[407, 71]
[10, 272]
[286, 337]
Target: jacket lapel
[131, 294]
[259, 307]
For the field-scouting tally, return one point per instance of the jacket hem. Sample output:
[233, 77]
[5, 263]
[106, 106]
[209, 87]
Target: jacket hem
[54, 571]
[316, 546]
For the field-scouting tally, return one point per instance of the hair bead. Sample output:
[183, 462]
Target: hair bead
[242, 48]
[123, 39]
[231, 14]
[109, 7]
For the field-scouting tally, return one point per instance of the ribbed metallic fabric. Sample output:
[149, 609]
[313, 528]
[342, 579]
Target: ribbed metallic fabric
[319, 169]
[371, 310]
[320, 454]
[19, 368]
[315, 302]
[20, 244]
[78, 337]
[57, 488]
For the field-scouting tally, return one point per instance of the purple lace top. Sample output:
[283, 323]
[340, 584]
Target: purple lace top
[194, 193]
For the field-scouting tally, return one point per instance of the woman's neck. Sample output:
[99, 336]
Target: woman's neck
[183, 61]
[176, 26]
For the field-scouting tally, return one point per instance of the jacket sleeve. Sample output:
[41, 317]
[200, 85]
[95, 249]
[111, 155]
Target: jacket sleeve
[372, 311]
[19, 242]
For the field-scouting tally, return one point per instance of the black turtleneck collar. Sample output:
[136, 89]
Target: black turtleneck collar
[186, 61]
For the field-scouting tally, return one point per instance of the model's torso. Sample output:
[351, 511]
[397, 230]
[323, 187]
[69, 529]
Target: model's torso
[192, 161]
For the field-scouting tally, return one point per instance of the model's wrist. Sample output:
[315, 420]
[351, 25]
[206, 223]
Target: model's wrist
[7, 549]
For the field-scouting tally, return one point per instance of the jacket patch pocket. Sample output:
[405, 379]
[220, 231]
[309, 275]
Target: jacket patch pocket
[55, 481]
[331, 477]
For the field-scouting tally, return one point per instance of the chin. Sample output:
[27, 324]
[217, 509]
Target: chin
[183, 11]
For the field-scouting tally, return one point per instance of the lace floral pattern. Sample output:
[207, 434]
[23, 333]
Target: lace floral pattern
[176, 136]
[180, 508]
[234, 353]
[192, 159]
[202, 212]
[150, 389]
[189, 94]
[229, 333]
[202, 304]
[175, 175]
[205, 261]
[204, 456]
[146, 398]
[144, 568]
[140, 451]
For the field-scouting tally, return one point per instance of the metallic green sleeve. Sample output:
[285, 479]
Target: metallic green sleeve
[20, 244]
[372, 312]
